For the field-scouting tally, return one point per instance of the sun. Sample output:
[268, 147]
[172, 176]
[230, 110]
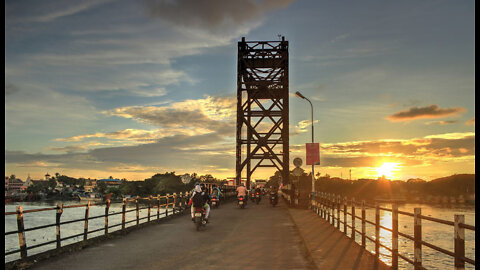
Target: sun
[388, 169]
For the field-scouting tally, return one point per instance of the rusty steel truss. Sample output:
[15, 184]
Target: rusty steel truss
[262, 108]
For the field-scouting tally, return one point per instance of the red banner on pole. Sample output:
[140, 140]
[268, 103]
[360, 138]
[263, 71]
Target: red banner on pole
[313, 153]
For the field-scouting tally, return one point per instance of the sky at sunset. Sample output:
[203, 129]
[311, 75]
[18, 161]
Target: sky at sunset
[132, 88]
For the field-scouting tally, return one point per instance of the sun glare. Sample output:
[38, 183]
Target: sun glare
[388, 169]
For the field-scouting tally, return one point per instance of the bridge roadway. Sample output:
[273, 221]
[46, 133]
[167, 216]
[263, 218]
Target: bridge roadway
[257, 237]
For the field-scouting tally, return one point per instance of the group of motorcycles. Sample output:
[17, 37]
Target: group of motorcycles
[199, 213]
[256, 197]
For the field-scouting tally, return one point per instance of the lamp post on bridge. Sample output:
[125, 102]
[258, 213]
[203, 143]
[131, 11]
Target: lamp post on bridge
[298, 94]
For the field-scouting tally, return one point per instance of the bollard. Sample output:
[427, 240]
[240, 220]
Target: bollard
[85, 225]
[59, 214]
[107, 207]
[417, 235]
[377, 231]
[394, 236]
[21, 232]
[459, 233]
[363, 225]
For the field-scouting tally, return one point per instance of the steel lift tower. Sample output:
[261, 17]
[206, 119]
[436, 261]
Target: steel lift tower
[262, 108]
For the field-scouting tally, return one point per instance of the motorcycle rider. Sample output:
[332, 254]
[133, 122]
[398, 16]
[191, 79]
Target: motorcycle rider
[216, 193]
[242, 192]
[274, 192]
[252, 193]
[258, 191]
[199, 198]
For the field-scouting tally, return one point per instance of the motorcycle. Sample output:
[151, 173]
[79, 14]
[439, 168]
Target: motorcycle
[215, 202]
[199, 217]
[273, 198]
[241, 202]
[252, 196]
[258, 198]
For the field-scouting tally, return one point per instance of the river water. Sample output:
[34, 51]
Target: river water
[432, 232]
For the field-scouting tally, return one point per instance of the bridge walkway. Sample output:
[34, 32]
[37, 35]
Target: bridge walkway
[257, 237]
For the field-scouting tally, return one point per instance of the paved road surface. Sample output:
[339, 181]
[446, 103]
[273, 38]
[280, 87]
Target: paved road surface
[257, 237]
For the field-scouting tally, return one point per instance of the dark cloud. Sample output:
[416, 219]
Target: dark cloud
[212, 14]
[10, 88]
[432, 111]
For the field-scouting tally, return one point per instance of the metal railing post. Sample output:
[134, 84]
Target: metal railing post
[174, 202]
[417, 235]
[85, 225]
[353, 219]
[459, 234]
[377, 231]
[137, 210]
[345, 215]
[124, 210]
[158, 207]
[21, 232]
[149, 207]
[107, 207]
[58, 216]
[338, 212]
[166, 205]
[363, 224]
[395, 236]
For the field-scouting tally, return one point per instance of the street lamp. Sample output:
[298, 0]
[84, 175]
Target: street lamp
[298, 94]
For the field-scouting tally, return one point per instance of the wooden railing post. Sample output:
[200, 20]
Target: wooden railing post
[459, 234]
[353, 219]
[107, 207]
[59, 214]
[395, 236]
[363, 225]
[331, 207]
[377, 231]
[149, 207]
[21, 232]
[327, 206]
[338, 212]
[85, 225]
[124, 212]
[345, 215]
[137, 210]
[417, 235]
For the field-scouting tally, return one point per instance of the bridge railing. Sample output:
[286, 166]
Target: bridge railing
[330, 207]
[171, 203]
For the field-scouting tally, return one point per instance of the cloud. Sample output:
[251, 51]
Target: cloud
[432, 111]
[441, 123]
[470, 122]
[214, 14]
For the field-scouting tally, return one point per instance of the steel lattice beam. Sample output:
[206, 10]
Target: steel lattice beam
[262, 108]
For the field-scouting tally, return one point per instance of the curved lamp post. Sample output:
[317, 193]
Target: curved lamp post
[298, 94]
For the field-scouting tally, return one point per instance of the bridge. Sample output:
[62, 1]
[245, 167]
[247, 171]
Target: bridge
[257, 237]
